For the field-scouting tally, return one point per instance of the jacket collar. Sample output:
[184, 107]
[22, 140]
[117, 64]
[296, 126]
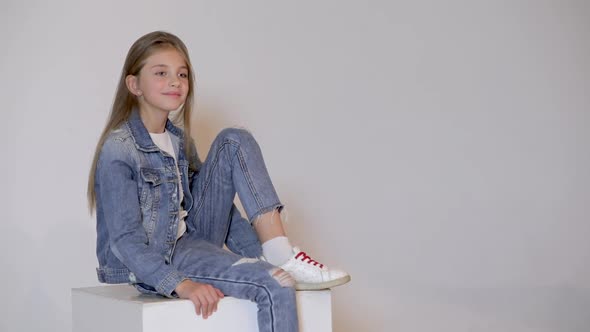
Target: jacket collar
[141, 136]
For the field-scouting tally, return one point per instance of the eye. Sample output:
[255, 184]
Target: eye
[184, 75]
[161, 73]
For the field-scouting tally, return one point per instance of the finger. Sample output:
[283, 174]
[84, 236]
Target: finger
[197, 303]
[218, 295]
[210, 304]
[206, 306]
[202, 305]
[211, 309]
[214, 298]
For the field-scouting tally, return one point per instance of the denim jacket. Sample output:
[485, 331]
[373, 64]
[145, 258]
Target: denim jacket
[137, 206]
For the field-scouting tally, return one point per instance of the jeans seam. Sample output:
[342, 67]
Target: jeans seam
[246, 283]
[244, 168]
[208, 181]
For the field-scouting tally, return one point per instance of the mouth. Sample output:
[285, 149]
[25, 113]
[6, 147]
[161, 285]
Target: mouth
[172, 94]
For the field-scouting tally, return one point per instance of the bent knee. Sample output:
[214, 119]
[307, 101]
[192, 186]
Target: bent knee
[235, 134]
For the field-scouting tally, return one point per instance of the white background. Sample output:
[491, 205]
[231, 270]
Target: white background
[436, 150]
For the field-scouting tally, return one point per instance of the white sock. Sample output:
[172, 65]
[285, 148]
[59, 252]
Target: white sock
[278, 250]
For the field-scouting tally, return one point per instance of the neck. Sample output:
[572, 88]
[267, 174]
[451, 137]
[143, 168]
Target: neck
[153, 120]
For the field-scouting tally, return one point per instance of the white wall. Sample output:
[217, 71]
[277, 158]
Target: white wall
[438, 151]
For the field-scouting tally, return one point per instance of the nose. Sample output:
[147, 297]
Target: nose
[174, 82]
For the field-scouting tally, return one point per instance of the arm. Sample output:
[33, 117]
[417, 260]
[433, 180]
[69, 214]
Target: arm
[117, 193]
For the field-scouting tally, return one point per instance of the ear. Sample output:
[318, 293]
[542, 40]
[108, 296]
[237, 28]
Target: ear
[132, 85]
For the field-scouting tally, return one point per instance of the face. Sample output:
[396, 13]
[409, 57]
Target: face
[162, 84]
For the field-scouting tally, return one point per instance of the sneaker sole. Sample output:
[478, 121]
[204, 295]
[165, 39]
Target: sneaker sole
[322, 285]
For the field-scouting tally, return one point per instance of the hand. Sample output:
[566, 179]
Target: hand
[204, 296]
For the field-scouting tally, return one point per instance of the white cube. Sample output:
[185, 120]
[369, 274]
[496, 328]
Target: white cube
[122, 308]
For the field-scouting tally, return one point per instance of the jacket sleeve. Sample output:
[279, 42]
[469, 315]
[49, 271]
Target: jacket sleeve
[118, 194]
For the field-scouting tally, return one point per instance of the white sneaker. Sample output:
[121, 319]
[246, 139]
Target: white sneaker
[312, 275]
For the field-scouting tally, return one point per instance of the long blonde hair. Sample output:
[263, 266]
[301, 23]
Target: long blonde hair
[124, 101]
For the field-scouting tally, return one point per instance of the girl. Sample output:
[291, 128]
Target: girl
[163, 216]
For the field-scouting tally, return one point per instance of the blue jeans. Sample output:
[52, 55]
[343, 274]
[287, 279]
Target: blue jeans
[234, 165]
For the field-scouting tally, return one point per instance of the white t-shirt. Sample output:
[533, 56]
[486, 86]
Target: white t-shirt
[164, 142]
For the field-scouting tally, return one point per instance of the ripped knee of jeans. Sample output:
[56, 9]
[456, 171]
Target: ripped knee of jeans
[269, 215]
[245, 260]
[282, 277]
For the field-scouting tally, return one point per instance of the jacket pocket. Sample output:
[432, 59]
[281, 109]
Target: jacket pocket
[152, 176]
[150, 197]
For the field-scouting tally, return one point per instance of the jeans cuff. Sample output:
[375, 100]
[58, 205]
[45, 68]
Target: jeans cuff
[280, 208]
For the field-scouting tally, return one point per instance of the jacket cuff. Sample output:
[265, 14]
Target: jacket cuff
[167, 286]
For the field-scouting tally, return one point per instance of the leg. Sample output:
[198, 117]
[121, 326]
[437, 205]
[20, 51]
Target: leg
[269, 226]
[242, 278]
[234, 165]
[241, 238]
